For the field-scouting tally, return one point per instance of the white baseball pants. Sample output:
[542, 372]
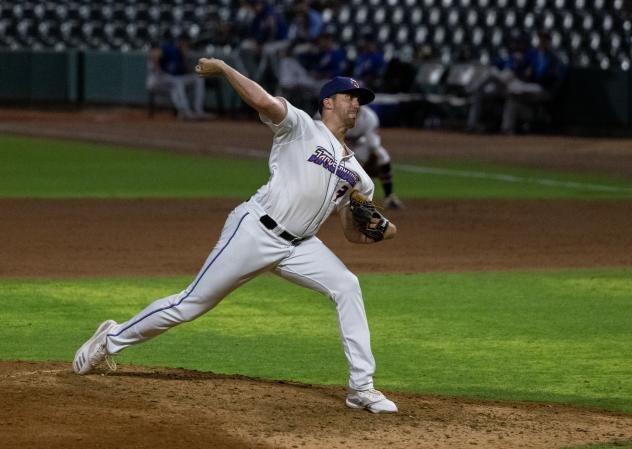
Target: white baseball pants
[245, 249]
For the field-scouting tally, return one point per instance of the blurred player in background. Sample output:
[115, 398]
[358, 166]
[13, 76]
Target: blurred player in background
[170, 71]
[366, 143]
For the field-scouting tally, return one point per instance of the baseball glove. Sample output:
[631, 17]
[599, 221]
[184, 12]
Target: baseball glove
[366, 218]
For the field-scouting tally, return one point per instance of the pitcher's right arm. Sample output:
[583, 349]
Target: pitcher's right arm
[252, 93]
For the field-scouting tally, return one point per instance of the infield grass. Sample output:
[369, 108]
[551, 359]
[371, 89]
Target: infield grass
[50, 168]
[545, 336]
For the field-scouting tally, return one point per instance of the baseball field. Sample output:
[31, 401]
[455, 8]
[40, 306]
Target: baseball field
[501, 315]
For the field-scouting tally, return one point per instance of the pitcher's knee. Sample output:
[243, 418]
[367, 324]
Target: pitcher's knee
[347, 284]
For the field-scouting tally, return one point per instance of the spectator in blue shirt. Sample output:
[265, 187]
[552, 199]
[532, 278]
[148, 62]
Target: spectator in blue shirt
[527, 76]
[542, 65]
[538, 80]
[369, 64]
[331, 59]
[268, 25]
[306, 24]
[266, 37]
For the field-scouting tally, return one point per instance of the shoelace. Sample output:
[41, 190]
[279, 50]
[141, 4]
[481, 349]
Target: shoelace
[373, 395]
[110, 362]
[102, 354]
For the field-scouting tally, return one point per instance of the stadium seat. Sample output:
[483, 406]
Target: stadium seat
[361, 16]
[528, 21]
[497, 38]
[438, 37]
[415, 17]
[384, 34]
[397, 16]
[485, 25]
[458, 36]
[26, 32]
[402, 36]
[421, 35]
[490, 18]
[566, 20]
[347, 34]
[477, 36]
[472, 18]
[434, 16]
[429, 76]
[624, 61]
[379, 16]
[448, 101]
[453, 17]
[587, 22]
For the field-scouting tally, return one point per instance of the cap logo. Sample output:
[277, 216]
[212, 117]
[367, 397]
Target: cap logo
[341, 84]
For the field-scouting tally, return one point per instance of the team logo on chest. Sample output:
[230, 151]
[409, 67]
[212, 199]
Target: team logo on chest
[326, 160]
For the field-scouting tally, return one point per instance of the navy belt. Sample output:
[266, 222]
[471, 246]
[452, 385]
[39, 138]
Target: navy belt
[269, 223]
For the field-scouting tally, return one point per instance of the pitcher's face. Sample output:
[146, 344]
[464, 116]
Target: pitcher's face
[346, 107]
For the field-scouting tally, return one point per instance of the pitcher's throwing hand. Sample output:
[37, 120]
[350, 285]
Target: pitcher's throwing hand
[208, 67]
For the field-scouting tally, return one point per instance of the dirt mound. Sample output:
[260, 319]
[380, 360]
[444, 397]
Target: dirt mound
[45, 405]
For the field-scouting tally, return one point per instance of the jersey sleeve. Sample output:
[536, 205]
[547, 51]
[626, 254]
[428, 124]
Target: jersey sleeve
[368, 189]
[290, 127]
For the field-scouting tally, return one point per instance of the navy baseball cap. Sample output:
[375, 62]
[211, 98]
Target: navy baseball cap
[342, 84]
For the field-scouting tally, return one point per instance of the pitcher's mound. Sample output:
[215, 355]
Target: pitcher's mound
[45, 405]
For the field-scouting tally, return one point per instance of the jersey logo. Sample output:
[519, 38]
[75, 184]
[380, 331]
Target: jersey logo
[326, 160]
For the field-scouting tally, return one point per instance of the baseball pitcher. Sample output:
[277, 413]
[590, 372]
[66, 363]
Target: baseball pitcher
[312, 174]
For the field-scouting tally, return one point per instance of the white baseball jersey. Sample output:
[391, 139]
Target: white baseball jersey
[309, 174]
[309, 177]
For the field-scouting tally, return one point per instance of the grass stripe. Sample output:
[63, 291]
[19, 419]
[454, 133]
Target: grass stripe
[49, 168]
[511, 178]
[553, 337]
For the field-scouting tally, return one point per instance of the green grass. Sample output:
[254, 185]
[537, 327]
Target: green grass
[487, 180]
[551, 336]
[49, 168]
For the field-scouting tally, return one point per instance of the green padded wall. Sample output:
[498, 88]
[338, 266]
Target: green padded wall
[38, 76]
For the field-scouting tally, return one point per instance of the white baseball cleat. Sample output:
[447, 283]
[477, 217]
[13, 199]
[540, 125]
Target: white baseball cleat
[372, 400]
[93, 352]
[393, 202]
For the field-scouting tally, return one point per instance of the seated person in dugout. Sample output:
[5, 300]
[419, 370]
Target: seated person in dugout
[527, 76]
[169, 71]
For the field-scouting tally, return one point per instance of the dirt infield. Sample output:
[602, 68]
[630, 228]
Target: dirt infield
[167, 237]
[44, 405]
